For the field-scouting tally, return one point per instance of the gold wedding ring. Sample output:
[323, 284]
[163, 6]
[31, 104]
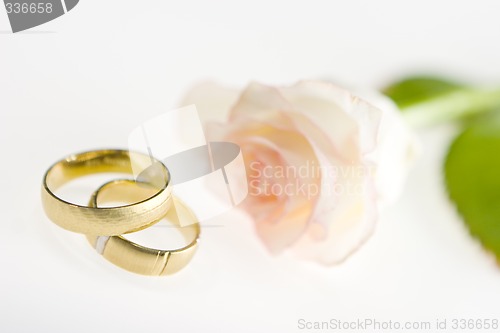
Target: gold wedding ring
[110, 220]
[134, 257]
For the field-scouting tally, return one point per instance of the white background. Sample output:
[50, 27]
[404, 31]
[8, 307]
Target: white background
[87, 79]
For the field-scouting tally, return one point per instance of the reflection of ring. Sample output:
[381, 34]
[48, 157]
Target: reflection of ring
[112, 220]
[136, 258]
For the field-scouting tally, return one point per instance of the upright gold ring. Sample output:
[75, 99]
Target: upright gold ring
[110, 220]
[137, 258]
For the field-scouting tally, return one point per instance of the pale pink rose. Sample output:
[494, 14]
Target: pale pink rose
[311, 152]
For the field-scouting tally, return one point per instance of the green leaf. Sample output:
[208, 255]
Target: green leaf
[472, 174]
[429, 101]
[418, 89]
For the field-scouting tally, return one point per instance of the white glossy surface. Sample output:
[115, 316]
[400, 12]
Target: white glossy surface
[108, 66]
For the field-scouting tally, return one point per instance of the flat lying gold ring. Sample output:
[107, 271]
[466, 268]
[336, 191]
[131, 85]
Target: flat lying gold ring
[112, 220]
[134, 257]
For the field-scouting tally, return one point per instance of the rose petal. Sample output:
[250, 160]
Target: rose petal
[338, 233]
[337, 112]
[397, 149]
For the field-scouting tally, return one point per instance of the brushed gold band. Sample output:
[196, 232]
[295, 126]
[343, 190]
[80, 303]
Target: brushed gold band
[134, 257]
[112, 220]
